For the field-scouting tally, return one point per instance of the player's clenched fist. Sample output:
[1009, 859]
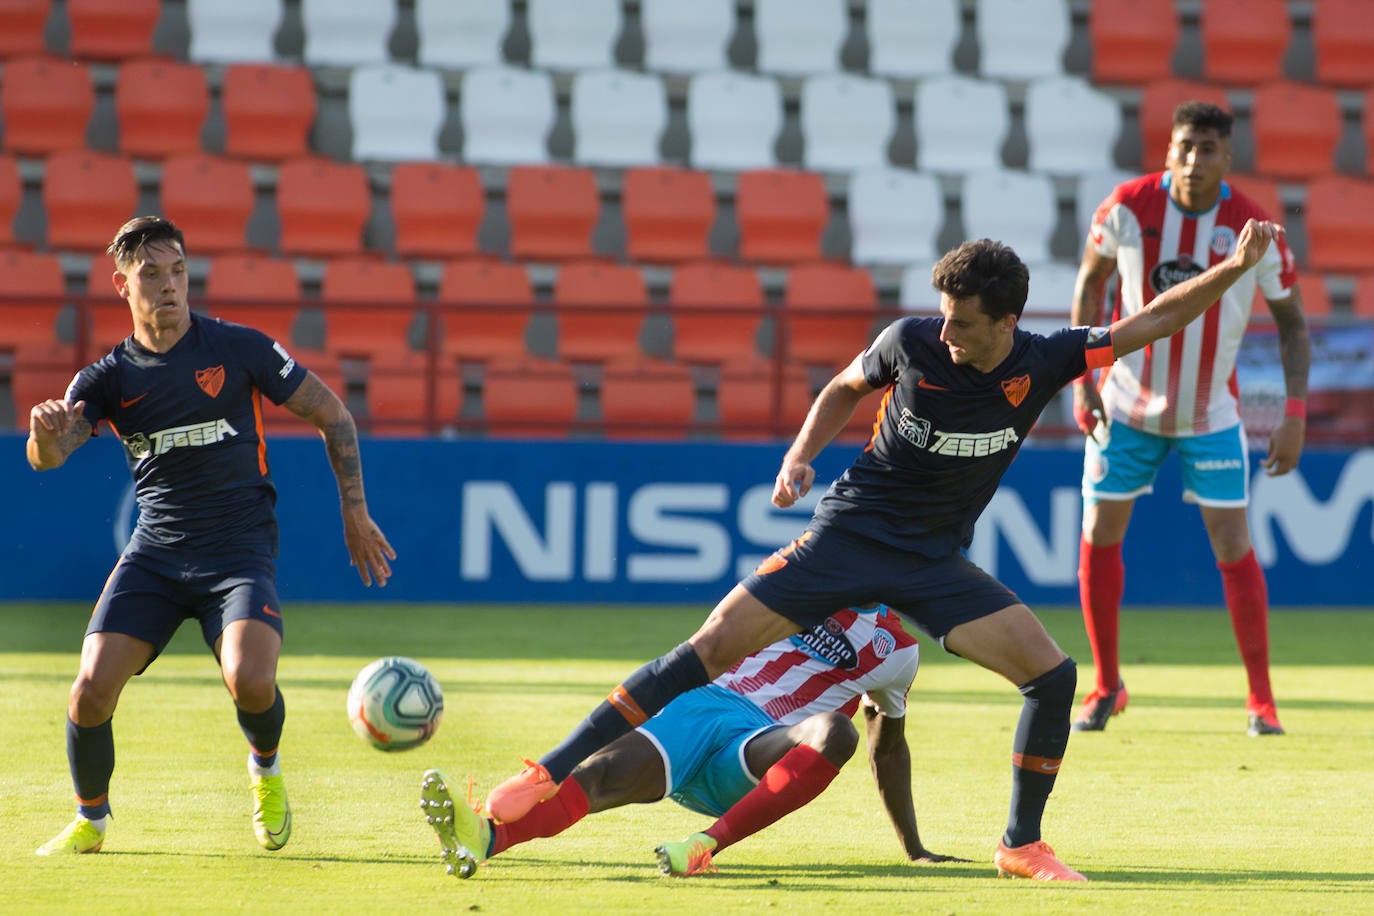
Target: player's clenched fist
[52, 418]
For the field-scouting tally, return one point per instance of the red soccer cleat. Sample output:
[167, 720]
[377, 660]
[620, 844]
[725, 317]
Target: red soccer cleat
[514, 798]
[1099, 706]
[1036, 861]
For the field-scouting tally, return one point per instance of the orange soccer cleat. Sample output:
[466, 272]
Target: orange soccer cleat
[514, 798]
[1099, 706]
[1036, 861]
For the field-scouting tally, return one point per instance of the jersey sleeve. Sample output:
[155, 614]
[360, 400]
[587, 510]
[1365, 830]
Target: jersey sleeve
[890, 698]
[94, 385]
[885, 358]
[1104, 234]
[272, 368]
[1277, 271]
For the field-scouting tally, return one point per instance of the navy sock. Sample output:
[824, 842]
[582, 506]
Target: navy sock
[1042, 734]
[631, 704]
[263, 731]
[91, 756]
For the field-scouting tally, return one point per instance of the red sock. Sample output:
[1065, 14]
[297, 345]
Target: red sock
[1101, 581]
[796, 779]
[1247, 598]
[549, 818]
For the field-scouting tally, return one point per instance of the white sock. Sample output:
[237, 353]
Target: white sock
[98, 823]
[255, 770]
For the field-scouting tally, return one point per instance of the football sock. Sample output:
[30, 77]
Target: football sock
[796, 779]
[91, 756]
[1101, 581]
[263, 731]
[1247, 598]
[1042, 734]
[630, 705]
[549, 819]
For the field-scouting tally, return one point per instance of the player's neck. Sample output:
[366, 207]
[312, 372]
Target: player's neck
[995, 358]
[160, 340]
[1194, 203]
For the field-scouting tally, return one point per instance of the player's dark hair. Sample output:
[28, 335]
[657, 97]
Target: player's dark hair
[1204, 116]
[137, 234]
[986, 269]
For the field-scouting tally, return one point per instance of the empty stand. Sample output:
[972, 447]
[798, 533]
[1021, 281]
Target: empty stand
[1022, 39]
[1158, 100]
[368, 306]
[11, 195]
[112, 29]
[686, 37]
[552, 211]
[915, 294]
[1016, 208]
[618, 117]
[1090, 190]
[437, 208]
[24, 21]
[499, 296]
[573, 36]
[647, 399]
[761, 400]
[1051, 292]
[668, 213]
[910, 40]
[961, 124]
[1340, 234]
[396, 112]
[398, 402]
[161, 106]
[1363, 303]
[847, 121]
[106, 314]
[1071, 127]
[895, 214]
[1297, 128]
[260, 291]
[322, 206]
[238, 32]
[46, 103]
[829, 312]
[600, 308]
[532, 398]
[268, 111]
[1262, 191]
[1343, 41]
[210, 198]
[507, 114]
[1243, 41]
[734, 119]
[87, 195]
[1132, 41]
[716, 309]
[347, 33]
[30, 299]
[781, 214]
[798, 37]
[34, 380]
[461, 35]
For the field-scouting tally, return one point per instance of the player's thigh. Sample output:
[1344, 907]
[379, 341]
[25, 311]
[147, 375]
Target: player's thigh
[140, 603]
[832, 735]
[1124, 468]
[108, 661]
[1216, 468]
[1011, 642]
[234, 595]
[627, 771]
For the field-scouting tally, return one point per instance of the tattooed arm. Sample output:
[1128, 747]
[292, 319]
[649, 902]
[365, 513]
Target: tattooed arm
[367, 546]
[56, 429]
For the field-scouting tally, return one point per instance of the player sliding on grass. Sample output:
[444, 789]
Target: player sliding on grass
[961, 394]
[183, 394]
[764, 739]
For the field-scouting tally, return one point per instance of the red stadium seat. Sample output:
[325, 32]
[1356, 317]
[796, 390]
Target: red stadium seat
[87, 195]
[531, 398]
[1364, 296]
[279, 421]
[1343, 39]
[716, 309]
[112, 29]
[496, 329]
[1132, 40]
[748, 393]
[437, 208]
[268, 111]
[397, 401]
[161, 106]
[1262, 191]
[46, 103]
[11, 195]
[1340, 235]
[829, 312]
[1157, 103]
[1243, 41]
[323, 207]
[25, 321]
[258, 290]
[1297, 129]
[552, 211]
[108, 320]
[598, 334]
[34, 382]
[210, 198]
[381, 332]
[668, 213]
[647, 399]
[781, 215]
[24, 21]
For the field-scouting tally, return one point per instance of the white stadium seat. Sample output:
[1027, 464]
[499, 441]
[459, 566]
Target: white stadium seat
[506, 114]
[1091, 189]
[242, 31]
[912, 38]
[847, 121]
[573, 36]
[916, 294]
[1016, 208]
[797, 37]
[461, 35]
[961, 124]
[347, 33]
[1021, 39]
[686, 37]
[1051, 290]
[1071, 127]
[618, 117]
[895, 215]
[734, 119]
[396, 112]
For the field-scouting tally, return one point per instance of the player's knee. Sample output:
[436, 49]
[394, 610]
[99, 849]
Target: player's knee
[832, 735]
[91, 702]
[253, 689]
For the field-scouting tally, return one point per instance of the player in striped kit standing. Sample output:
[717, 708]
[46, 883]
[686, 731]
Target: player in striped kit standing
[1179, 394]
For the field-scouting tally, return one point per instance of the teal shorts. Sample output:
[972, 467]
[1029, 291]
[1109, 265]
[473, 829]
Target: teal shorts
[1216, 466]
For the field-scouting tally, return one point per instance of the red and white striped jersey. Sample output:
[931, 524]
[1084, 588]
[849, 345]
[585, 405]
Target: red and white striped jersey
[850, 655]
[1184, 385]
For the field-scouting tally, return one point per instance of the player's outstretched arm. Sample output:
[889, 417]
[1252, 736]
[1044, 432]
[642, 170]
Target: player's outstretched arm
[828, 414]
[368, 548]
[56, 429]
[889, 758]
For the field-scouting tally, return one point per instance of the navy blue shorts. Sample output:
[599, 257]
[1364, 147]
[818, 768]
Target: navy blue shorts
[829, 568]
[148, 600]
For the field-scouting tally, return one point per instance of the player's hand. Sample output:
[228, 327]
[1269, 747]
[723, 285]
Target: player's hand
[368, 549]
[1087, 407]
[1285, 447]
[1254, 240]
[50, 419]
[926, 857]
[793, 482]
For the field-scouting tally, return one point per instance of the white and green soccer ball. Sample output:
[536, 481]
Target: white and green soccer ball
[395, 704]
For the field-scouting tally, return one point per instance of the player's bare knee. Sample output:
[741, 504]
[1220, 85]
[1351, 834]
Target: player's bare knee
[832, 735]
[253, 691]
[91, 702]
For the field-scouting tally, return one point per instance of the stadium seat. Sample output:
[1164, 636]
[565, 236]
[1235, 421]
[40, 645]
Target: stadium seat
[647, 399]
[507, 114]
[396, 400]
[1340, 235]
[915, 294]
[45, 104]
[368, 310]
[618, 117]
[961, 124]
[1363, 302]
[587, 333]
[112, 29]
[268, 111]
[1132, 41]
[908, 40]
[25, 21]
[240, 32]
[829, 312]
[1022, 39]
[322, 206]
[1316, 298]
[1296, 129]
[347, 33]
[754, 403]
[461, 35]
[734, 119]
[573, 36]
[11, 195]
[717, 308]
[781, 214]
[161, 106]
[258, 290]
[1262, 191]
[1071, 127]
[895, 215]
[87, 195]
[437, 208]
[35, 379]
[1090, 190]
[396, 112]
[1243, 41]
[494, 328]
[1016, 208]
[531, 398]
[30, 322]
[668, 213]
[1051, 292]
[847, 121]
[552, 211]
[211, 198]
[107, 319]
[686, 37]
[278, 421]
[800, 37]
[1158, 100]
[1343, 40]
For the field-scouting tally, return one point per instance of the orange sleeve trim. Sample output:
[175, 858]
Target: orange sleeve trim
[1099, 357]
[627, 707]
[257, 425]
[1047, 765]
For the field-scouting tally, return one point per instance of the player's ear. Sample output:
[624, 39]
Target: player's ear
[121, 284]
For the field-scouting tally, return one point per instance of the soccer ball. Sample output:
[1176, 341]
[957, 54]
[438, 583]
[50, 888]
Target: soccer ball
[395, 704]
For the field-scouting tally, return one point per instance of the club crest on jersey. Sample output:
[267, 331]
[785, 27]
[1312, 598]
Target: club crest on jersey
[1172, 273]
[1016, 389]
[826, 641]
[1223, 241]
[211, 380]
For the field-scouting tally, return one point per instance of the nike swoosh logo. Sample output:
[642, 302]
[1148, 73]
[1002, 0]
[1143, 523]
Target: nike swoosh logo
[132, 401]
[922, 383]
[1049, 767]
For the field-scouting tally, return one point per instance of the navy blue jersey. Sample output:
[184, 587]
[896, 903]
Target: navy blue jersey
[947, 433]
[191, 423]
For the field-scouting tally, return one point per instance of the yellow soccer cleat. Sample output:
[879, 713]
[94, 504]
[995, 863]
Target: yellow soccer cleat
[271, 812]
[464, 834]
[686, 858]
[80, 836]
